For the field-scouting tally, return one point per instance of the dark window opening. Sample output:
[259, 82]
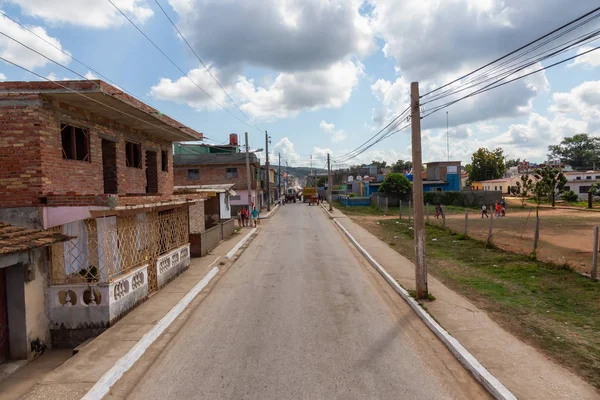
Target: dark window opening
[578, 178]
[567, 188]
[232, 173]
[193, 173]
[133, 155]
[75, 143]
[584, 189]
[109, 166]
[588, 177]
[164, 157]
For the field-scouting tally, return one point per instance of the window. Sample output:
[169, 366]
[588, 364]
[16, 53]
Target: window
[597, 176]
[193, 173]
[75, 143]
[231, 173]
[495, 187]
[133, 155]
[584, 189]
[164, 158]
[588, 177]
[567, 188]
[578, 178]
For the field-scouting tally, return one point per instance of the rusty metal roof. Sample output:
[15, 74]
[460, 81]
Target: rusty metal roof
[16, 239]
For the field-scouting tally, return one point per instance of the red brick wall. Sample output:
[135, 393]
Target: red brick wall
[215, 174]
[20, 169]
[31, 161]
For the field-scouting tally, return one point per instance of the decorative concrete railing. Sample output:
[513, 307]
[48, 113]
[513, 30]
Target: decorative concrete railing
[97, 304]
[172, 264]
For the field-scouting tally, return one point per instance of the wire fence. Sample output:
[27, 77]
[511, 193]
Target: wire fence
[560, 236]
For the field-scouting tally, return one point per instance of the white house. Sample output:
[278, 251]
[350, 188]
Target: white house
[580, 182]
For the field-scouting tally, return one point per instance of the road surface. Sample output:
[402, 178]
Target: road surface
[301, 316]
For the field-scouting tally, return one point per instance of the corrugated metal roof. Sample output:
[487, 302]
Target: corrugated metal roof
[16, 239]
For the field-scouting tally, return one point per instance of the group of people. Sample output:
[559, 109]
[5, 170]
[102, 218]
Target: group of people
[439, 210]
[244, 216]
[499, 210]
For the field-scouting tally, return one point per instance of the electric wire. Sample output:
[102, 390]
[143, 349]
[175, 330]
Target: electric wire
[177, 66]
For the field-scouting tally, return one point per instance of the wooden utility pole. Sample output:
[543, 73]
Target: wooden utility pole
[329, 183]
[248, 174]
[268, 172]
[419, 223]
[279, 180]
[595, 254]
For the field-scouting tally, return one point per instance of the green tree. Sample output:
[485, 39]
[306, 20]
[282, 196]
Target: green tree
[487, 164]
[550, 182]
[524, 187]
[580, 151]
[570, 196]
[512, 162]
[401, 166]
[321, 181]
[594, 191]
[395, 183]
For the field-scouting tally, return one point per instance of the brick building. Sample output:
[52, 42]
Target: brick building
[94, 164]
[222, 168]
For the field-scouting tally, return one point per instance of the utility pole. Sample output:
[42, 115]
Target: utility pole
[279, 181]
[447, 138]
[329, 183]
[248, 174]
[268, 172]
[418, 221]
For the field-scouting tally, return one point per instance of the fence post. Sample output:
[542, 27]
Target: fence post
[489, 238]
[466, 221]
[443, 215]
[427, 212]
[409, 206]
[536, 237]
[400, 207]
[595, 254]
[386, 206]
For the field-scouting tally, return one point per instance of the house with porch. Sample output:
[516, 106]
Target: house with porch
[91, 164]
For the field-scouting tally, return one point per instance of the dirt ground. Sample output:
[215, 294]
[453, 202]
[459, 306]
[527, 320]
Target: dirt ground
[566, 236]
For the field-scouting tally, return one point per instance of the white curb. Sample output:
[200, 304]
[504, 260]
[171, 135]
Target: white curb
[270, 213]
[489, 381]
[240, 244]
[102, 387]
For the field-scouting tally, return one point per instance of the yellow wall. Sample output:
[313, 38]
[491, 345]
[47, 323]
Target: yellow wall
[476, 186]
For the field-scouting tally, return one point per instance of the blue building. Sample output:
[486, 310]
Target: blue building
[442, 176]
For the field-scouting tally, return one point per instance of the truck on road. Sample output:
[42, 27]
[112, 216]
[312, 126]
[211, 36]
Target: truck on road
[307, 193]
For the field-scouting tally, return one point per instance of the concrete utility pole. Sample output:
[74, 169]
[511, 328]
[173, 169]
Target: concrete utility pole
[279, 180]
[268, 172]
[248, 174]
[329, 183]
[419, 223]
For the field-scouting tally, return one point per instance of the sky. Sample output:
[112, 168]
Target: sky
[321, 76]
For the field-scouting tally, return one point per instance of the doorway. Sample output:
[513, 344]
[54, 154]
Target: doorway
[109, 166]
[4, 350]
[151, 172]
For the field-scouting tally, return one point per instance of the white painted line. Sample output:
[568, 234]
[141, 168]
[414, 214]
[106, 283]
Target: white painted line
[489, 381]
[240, 244]
[102, 387]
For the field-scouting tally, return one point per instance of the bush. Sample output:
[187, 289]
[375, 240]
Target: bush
[570, 196]
[352, 194]
[395, 183]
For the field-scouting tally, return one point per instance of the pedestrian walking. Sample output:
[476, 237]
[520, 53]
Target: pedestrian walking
[498, 210]
[437, 210]
[255, 216]
[239, 218]
[245, 216]
[503, 205]
[484, 211]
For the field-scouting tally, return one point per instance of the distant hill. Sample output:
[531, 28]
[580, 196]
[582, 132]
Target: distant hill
[302, 172]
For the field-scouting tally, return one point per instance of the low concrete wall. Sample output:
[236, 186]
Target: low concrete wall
[209, 239]
[465, 198]
[227, 228]
[171, 264]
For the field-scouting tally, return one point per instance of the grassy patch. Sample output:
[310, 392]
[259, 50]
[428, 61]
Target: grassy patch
[549, 306]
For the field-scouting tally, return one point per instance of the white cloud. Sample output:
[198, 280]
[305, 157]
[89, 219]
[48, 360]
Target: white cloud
[287, 95]
[89, 75]
[20, 55]
[589, 60]
[337, 135]
[2, 77]
[283, 35]
[89, 13]
[582, 101]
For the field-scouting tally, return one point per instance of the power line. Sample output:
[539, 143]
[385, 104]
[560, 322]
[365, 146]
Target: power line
[81, 94]
[489, 87]
[204, 65]
[177, 66]
[512, 52]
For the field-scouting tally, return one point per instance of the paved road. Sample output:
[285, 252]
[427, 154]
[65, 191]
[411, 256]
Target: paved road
[300, 316]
